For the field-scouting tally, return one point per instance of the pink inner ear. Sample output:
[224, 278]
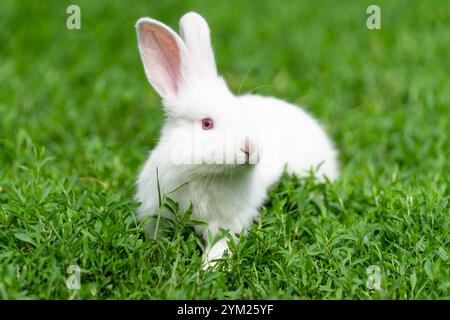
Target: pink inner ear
[162, 57]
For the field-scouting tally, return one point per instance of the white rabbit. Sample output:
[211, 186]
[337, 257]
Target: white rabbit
[217, 151]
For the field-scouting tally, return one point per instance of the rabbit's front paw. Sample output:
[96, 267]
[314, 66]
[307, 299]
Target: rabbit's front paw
[214, 253]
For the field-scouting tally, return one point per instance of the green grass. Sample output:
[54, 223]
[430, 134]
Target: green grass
[77, 119]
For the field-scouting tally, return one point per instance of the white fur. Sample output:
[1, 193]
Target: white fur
[225, 196]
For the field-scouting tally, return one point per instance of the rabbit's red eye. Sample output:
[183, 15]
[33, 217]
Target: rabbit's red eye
[207, 124]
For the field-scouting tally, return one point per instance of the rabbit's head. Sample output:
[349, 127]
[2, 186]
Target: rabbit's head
[206, 124]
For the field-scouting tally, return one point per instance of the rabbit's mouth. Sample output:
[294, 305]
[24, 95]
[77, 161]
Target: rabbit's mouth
[247, 156]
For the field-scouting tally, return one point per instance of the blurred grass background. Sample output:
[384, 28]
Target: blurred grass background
[77, 118]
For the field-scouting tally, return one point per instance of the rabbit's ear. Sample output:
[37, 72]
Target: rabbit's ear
[163, 54]
[195, 32]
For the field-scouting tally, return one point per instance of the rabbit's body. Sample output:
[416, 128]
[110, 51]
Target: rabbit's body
[302, 144]
[226, 183]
